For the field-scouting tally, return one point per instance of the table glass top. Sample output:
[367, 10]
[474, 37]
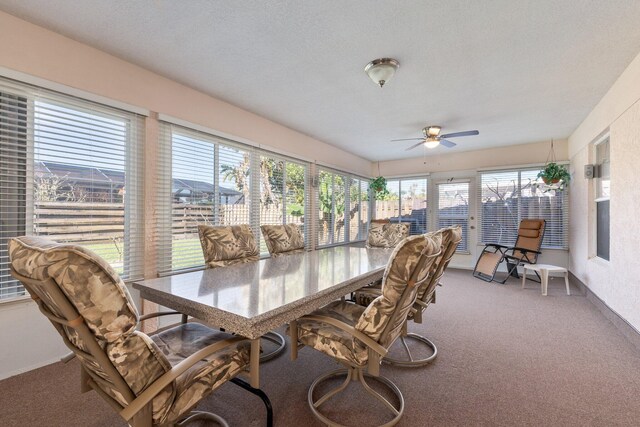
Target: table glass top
[254, 288]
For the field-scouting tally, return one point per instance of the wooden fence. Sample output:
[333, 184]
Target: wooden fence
[104, 222]
[391, 208]
[79, 222]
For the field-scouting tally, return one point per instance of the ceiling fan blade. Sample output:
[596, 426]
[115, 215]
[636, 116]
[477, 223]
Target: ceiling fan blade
[456, 134]
[416, 145]
[407, 139]
[448, 144]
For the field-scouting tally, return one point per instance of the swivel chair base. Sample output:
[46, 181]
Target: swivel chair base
[278, 340]
[412, 363]
[355, 374]
[200, 415]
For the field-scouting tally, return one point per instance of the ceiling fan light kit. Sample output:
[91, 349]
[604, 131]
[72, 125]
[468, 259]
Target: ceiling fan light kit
[381, 70]
[431, 142]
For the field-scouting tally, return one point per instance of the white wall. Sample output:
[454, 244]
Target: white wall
[617, 282]
[28, 339]
[443, 161]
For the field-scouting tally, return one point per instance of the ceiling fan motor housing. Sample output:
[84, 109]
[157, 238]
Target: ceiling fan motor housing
[431, 131]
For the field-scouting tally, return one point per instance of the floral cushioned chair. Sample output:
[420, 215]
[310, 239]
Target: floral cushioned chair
[358, 337]
[283, 239]
[386, 235]
[153, 380]
[451, 237]
[227, 245]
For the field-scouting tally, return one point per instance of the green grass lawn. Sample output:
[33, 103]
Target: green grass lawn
[186, 253]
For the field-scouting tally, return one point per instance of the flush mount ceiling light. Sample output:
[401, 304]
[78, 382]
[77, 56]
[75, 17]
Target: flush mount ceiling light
[381, 70]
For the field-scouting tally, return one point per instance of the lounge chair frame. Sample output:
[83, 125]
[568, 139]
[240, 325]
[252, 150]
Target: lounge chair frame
[514, 256]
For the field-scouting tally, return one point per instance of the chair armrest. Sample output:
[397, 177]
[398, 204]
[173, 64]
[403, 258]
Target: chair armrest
[497, 246]
[421, 303]
[158, 385]
[516, 248]
[367, 340]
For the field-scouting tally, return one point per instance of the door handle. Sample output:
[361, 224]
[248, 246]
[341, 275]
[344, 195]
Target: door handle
[473, 227]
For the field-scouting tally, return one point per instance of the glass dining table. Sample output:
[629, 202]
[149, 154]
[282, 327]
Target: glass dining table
[254, 298]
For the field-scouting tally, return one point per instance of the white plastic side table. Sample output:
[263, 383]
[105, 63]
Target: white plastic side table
[544, 270]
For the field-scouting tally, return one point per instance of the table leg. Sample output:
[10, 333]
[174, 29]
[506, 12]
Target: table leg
[254, 363]
[544, 278]
[524, 276]
[566, 282]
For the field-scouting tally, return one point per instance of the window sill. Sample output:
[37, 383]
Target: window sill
[15, 300]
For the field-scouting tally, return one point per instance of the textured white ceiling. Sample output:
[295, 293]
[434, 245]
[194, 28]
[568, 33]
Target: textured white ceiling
[518, 71]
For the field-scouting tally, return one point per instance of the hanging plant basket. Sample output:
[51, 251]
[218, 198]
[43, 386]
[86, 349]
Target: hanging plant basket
[378, 184]
[555, 174]
[550, 181]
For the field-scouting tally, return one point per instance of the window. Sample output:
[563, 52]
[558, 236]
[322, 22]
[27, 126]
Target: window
[70, 171]
[208, 180]
[404, 201]
[453, 209]
[282, 198]
[342, 211]
[507, 197]
[603, 186]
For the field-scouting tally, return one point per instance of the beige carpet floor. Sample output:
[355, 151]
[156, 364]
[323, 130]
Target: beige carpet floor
[507, 357]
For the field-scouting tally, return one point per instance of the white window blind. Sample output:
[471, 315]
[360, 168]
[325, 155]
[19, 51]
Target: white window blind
[204, 179]
[77, 175]
[14, 166]
[453, 209]
[509, 196]
[404, 201]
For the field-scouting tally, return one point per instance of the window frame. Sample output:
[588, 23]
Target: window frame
[168, 128]
[77, 112]
[599, 198]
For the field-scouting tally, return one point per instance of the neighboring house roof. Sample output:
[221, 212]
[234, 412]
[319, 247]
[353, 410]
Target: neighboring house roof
[100, 177]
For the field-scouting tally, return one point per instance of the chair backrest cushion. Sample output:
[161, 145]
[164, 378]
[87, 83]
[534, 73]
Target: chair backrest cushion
[98, 294]
[387, 235]
[411, 261]
[283, 238]
[89, 282]
[451, 237]
[530, 235]
[227, 245]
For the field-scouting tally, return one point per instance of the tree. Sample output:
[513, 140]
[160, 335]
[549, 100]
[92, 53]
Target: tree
[54, 188]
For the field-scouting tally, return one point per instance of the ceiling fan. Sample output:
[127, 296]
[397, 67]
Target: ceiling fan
[432, 137]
